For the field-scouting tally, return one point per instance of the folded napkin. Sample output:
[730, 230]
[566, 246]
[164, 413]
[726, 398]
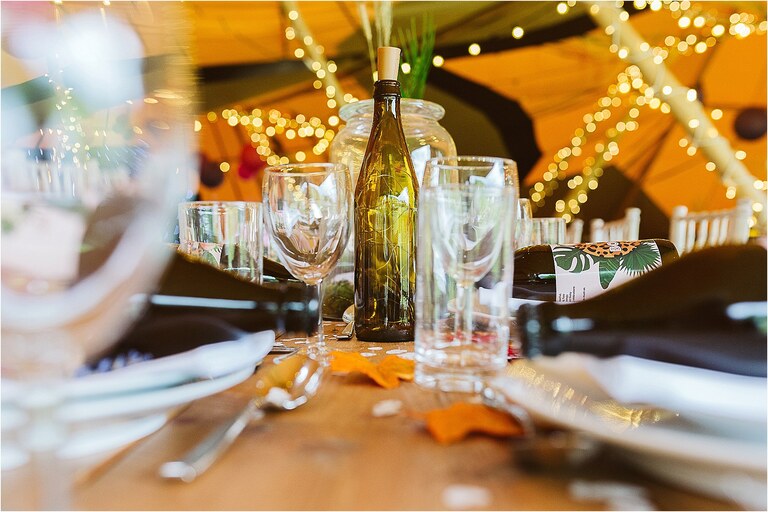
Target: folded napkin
[679, 388]
[160, 336]
[207, 361]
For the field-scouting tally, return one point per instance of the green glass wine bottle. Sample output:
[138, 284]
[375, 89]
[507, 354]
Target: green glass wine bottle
[385, 219]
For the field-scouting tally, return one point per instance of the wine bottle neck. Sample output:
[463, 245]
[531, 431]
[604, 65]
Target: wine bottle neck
[386, 98]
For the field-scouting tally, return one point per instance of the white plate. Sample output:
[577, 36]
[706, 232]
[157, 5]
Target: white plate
[205, 362]
[722, 464]
[706, 396]
[91, 441]
[87, 409]
[119, 418]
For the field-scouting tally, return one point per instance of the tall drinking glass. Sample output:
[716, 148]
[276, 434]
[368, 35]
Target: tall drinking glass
[225, 234]
[307, 211]
[467, 217]
[465, 251]
[93, 163]
[486, 170]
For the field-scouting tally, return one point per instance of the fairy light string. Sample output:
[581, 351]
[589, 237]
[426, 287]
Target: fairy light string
[629, 83]
[313, 55]
[662, 93]
[686, 107]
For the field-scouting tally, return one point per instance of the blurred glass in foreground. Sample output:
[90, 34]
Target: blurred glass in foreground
[97, 141]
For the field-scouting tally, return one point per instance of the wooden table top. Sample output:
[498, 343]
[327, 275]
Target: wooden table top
[333, 454]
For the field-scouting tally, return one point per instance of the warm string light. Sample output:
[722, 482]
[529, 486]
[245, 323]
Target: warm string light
[263, 126]
[313, 55]
[627, 81]
[706, 29]
[688, 15]
[711, 28]
[580, 185]
[655, 96]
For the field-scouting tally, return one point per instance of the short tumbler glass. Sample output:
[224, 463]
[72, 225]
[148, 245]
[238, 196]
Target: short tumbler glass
[225, 234]
[548, 231]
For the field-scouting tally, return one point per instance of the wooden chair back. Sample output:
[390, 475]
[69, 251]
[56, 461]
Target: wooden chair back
[574, 231]
[627, 228]
[693, 231]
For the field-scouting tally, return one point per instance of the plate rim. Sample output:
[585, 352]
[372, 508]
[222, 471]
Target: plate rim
[157, 399]
[684, 445]
[131, 380]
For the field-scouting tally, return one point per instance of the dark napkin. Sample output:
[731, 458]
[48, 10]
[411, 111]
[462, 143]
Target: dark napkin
[167, 336]
[164, 330]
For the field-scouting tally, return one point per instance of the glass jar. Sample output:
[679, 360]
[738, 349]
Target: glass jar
[425, 138]
[424, 135]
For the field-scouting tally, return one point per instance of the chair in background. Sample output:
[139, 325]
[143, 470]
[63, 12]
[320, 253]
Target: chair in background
[574, 231]
[627, 228]
[693, 231]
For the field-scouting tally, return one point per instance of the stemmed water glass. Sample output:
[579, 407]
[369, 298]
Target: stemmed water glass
[307, 211]
[93, 164]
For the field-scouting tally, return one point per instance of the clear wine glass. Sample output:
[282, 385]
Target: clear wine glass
[467, 237]
[96, 142]
[307, 211]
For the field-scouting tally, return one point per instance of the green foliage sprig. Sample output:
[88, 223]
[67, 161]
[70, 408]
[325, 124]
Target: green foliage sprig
[417, 52]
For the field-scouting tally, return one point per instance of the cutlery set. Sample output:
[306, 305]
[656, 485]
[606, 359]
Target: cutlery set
[283, 386]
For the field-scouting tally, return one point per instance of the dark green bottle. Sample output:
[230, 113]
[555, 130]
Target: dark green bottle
[385, 219]
[707, 309]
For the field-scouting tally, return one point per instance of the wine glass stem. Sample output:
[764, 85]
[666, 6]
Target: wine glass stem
[318, 348]
[320, 336]
[465, 302]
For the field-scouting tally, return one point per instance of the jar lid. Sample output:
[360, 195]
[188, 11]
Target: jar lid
[409, 106]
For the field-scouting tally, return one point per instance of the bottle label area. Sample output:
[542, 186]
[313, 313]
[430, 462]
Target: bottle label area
[583, 271]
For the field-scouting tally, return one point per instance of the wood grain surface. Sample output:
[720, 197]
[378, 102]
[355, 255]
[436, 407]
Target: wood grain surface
[333, 454]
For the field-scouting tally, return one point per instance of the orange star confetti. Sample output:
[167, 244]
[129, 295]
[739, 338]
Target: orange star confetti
[459, 420]
[386, 374]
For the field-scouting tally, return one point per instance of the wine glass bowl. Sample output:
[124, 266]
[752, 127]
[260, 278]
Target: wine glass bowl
[89, 183]
[307, 211]
[467, 229]
[96, 144]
